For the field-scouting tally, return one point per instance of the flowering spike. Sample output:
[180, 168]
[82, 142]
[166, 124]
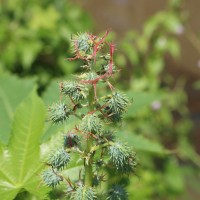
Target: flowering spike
[99, 151]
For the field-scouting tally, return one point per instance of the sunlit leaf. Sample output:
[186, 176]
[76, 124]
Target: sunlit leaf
[12, 93]
[20, 166]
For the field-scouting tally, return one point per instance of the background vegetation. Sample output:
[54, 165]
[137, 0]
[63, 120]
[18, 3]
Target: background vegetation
[34, 40]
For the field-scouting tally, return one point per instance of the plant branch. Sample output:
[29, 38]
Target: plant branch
[88, 165]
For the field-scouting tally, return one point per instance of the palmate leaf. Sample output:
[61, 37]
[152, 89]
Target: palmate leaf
[12, 93]
[21, 166]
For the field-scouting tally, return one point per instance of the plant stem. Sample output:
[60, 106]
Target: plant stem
[88, 166]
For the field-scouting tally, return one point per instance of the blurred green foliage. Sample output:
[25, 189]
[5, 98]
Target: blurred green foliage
[34, 40]
[161, 130]
[34, 37]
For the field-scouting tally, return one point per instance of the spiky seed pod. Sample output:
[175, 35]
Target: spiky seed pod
[116, 105]
[91, 124]
[71, 140]
[74, 90]
[89, 76]
[84, 193]
[50, 178]
[117, 192]
[58, 112]
[83, 44]
[122, 157]
[59, 159]
[105, 68]
[117, 102]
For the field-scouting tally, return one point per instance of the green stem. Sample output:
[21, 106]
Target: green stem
[88, 165]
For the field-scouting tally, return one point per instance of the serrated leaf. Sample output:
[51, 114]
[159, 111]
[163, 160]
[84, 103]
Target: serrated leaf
[26, 132]
[12, 93]
[20, 166]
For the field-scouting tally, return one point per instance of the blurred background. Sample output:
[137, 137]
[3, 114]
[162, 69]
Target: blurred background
[158, 52]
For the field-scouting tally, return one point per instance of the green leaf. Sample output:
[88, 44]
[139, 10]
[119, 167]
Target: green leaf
[21, 166]
[140, 143]
[12, 93]
[73, 171]
[52, 93]
[27, 129]
[141, 100]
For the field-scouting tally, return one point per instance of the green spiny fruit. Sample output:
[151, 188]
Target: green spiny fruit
[84, 193]
[88, 76]
[59, 159]
[105, 68]
[117, 192]
[91, 124]
[116, 104]
[58, 112]
[50, 178]
[83, 44]
[74, 90]
[122, 157]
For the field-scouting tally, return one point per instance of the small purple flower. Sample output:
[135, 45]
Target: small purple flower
[156, 105]
[180, 30]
